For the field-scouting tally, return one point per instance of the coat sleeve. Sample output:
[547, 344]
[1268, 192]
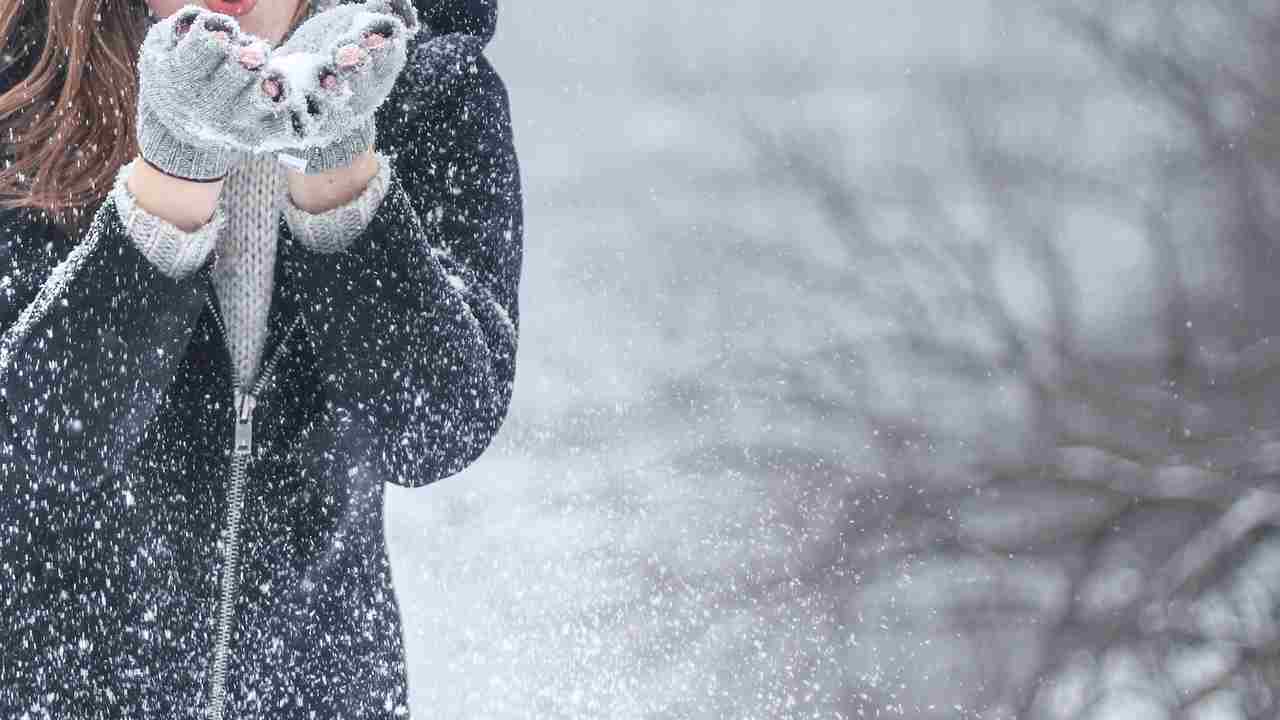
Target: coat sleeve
[415, 322]
[93, 333]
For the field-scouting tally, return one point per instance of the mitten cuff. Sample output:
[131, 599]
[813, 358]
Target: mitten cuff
[178, 158]
[175, 252]
[334, 230]
[339, 154]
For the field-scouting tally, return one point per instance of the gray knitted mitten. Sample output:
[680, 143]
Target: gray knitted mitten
[201, 104]
[332, 74]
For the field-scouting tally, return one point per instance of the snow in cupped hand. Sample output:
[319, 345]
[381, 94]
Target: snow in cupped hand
[334, 71]
[209, 91]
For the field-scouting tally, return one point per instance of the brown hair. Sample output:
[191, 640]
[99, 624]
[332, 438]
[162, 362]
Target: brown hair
[67, 127]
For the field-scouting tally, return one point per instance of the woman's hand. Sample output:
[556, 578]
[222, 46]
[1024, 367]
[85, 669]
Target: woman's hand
[335, 70]
[201, 100]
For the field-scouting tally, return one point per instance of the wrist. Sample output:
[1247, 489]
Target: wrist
[324, 191]
[185, 203]
[159, 169]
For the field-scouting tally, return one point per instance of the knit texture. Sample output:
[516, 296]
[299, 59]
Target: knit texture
[186, 87]
[245, 274]
[334, 230]
[339, 153]
[176, 252]
[339, 125]
[244, 233]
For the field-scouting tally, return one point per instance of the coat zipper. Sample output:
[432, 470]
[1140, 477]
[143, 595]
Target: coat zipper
[245, 402]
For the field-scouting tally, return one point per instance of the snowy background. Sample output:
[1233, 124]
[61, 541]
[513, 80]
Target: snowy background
[877, 360]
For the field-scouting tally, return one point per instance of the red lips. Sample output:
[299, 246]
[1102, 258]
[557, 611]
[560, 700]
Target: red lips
[234, 8]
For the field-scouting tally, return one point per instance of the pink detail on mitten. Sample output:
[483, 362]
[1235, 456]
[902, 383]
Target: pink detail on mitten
[350, 55]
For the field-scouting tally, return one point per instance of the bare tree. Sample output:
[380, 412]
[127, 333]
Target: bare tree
[1067, 518]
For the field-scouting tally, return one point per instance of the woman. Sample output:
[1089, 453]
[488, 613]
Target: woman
[228, 320]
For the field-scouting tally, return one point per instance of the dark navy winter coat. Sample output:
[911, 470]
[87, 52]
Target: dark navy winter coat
[396, 362]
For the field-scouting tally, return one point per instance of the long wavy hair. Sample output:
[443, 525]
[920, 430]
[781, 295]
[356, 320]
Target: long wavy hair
[67, 126]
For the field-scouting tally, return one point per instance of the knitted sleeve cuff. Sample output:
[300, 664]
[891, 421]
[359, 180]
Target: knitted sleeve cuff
[175, 252]
[334, 230]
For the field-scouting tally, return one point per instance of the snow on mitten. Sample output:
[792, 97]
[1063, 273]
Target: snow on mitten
[201, 105]
[335, 70]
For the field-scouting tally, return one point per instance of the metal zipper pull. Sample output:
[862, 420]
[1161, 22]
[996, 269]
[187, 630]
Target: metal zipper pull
[245, 404]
